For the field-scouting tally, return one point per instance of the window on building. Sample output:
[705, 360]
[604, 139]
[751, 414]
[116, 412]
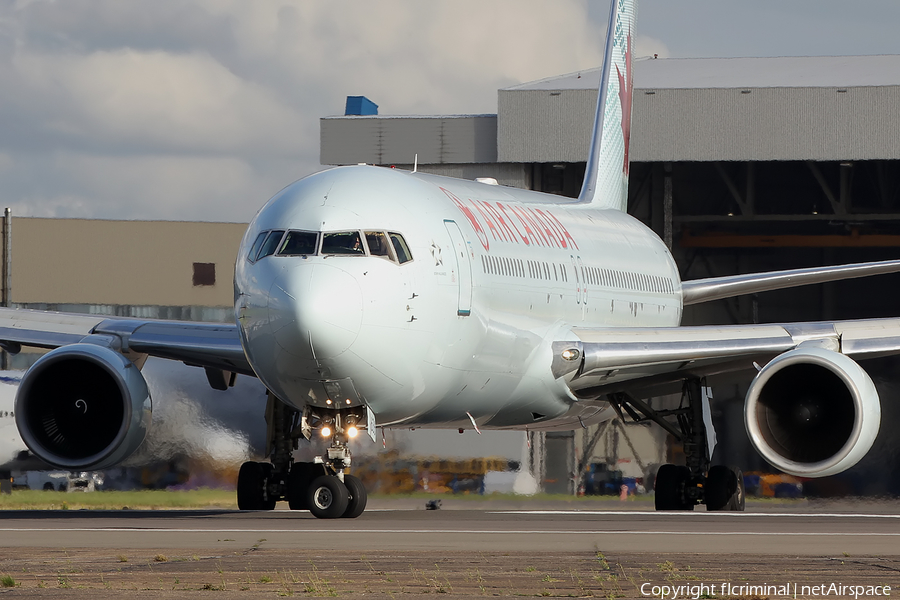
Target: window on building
[204, 274]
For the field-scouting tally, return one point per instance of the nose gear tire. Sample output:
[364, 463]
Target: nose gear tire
[328, 497]
[357, 493]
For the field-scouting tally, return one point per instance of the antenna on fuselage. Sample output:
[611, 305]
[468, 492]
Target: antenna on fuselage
[416, 163]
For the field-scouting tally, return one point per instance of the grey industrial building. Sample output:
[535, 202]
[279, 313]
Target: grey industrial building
[740, 164]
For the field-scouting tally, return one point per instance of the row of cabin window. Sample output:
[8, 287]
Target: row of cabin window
[515, 267]
[388, 245]
[626, 280]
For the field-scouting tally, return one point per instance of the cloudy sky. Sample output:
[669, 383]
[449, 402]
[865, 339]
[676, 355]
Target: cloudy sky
[202, 109]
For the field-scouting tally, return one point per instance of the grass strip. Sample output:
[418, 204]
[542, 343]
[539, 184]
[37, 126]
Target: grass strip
[115, 500]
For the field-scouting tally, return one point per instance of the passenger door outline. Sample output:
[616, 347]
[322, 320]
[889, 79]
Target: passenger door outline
[463, 267]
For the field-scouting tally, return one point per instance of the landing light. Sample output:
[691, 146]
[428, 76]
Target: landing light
[352, 431]
[570, 354]
[326, 431]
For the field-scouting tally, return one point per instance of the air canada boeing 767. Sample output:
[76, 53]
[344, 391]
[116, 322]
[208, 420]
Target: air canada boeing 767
[371, 297]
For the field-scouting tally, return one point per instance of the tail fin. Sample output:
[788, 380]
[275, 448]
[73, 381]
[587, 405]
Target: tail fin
[606, 176]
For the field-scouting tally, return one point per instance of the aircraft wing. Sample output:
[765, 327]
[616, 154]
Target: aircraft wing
[211, 345]
[716, 288]
[598, 361]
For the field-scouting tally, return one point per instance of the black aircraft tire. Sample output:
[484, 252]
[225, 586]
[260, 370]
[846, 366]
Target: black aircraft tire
[299, 478]
[669, 488]
[250, 486]
[724, 489]
[266, 501]
[327, 497]
[357, 492]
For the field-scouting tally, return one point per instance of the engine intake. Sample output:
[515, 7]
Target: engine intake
[812, 412]
[83, 406]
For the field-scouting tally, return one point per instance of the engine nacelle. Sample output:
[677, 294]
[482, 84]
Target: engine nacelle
[83, 406]
[812, 412]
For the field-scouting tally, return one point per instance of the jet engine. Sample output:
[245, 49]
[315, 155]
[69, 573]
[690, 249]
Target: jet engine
[812, 412]
[83, 406]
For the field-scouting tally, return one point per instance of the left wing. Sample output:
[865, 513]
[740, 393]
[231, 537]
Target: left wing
[599, 361]
[716, 288]
[216, 346]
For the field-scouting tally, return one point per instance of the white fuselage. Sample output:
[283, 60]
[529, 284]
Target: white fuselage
[464, 328]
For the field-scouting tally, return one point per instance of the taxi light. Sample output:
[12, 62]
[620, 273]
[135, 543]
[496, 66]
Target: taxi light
[352, 431]
[570, 354]
[326, 431]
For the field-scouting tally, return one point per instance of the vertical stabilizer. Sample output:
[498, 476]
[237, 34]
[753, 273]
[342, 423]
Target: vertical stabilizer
[606, 176]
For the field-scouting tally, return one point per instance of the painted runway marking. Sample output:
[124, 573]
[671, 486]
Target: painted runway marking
[446, 531]
[689, 513]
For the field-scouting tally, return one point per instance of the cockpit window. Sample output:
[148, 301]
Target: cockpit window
[270, 245]
[342, 242]
[400, 247]
[299, 243]
[378, 244]
[254, 249]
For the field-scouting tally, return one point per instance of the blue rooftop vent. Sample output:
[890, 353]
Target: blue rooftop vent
[360, 106]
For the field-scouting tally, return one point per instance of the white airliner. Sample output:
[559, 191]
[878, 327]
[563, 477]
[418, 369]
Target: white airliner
[371, 297]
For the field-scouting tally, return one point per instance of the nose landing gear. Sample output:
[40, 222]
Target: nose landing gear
[321, 486]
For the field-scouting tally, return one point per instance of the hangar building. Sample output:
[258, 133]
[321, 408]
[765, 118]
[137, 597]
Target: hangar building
[739, 164]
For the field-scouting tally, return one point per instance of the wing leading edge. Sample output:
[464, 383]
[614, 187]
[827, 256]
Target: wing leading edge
[212, 345]
[599, 361]
[716, 288]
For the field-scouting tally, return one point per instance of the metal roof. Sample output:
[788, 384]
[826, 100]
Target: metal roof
[778, 72]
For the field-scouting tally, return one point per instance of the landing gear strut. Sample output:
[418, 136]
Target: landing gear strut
[320, 486]
[682, 488]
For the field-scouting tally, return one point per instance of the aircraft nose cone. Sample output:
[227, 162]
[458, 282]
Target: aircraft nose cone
[315, 311]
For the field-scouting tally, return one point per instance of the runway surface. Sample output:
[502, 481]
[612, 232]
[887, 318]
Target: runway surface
[465, 549]
[467, 528]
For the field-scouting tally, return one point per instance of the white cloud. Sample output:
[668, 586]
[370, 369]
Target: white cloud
[145, 187]
[187, 109]
[224, 97]
[156, 100]
[646, 46]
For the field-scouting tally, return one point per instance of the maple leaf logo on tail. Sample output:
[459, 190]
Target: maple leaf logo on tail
[625, 88]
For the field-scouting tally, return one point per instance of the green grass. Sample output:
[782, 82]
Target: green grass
[112, 500]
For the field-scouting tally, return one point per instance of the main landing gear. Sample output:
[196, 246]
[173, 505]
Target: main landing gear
[682, 488]
[321, 487]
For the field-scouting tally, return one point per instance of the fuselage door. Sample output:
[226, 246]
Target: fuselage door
[463, 267]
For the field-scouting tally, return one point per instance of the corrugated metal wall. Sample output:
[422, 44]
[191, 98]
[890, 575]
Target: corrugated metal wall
[544, 126]
[759, 124]
[392, 140]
